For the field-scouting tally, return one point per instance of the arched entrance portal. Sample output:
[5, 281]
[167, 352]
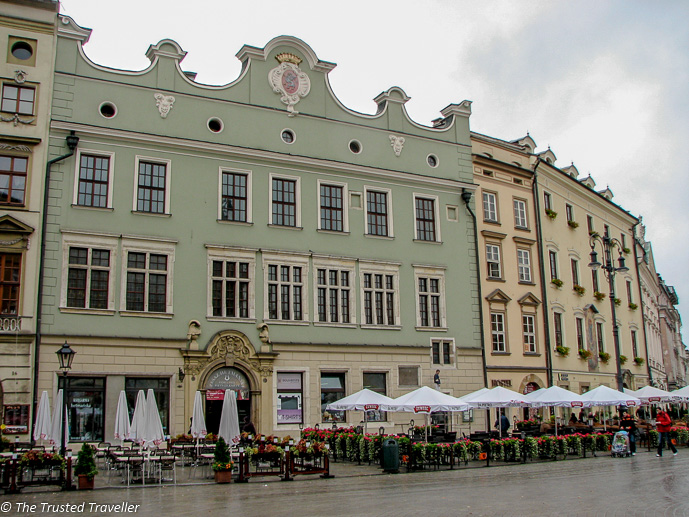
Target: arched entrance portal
[226, 378]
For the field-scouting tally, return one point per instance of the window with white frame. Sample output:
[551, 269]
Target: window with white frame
[569, 212]
[285, 201]
[581, 345]
[235, 195]
[378, 212]
[94, 179]
[334, 291]
[380, 294]
[152, 186]
[520, 220]
[285, 287]
[599, 337]
[635, 346]
[442, 351]
[426, 218]
[575, 271]
[493, 261]
[232, 283]
[490, 207]
[147, 276]
[529, 333]
[547, 201]
[333, 208]
[557, 329]
[552, 259]
[430, 287]
[524, 265]
[497, 326]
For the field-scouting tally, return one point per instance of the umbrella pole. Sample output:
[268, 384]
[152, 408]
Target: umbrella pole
[426, 427]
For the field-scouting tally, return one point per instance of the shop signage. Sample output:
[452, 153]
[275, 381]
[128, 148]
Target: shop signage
[371, 406]
[289, 381]
[422, 409]
[505, 383]
[228, 379]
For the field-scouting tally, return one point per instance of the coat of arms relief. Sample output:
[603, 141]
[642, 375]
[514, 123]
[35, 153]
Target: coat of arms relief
[288, 80]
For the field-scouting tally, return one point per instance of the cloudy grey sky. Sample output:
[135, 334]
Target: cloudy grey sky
[604, 83]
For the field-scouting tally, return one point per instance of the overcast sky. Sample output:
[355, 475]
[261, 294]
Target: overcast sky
[605, 84]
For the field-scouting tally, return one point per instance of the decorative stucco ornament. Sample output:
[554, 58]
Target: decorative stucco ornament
[288, 80]
[397, 143]
[164, 103]
[20, 76]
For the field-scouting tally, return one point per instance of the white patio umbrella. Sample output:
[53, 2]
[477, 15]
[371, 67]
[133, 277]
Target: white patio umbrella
[153, 427]
[497, 397]
[425, 400]
[606, 396]
[363, 400]
[681, 394]
[229, 419]
[136, 430]
[55, 437]
[43, 423]
[198, 422]
[122, 424]
[470, 396]
[554, 396]
[653, 395]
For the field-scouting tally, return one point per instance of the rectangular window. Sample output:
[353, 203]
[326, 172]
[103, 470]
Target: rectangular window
[493, 261]
[429, 302]
[285, 292]
[379, 294]
[606, 230]
[557, 327]
[589, 223]
[580, 334]
[569, 212]
[377, 213]
[547, 201]
[290, 393]
[442, 352]
[161, 392]
[94, 172]
[635, 348]
[13, 170]
[594, 280]
[85, 400]
[147, 275]
[624, 240]
[552, 259]
[151, 187]
[377, 383]
[529, 333]
[524, 265]
[332, 207]
[230, 287]
[575, 272]
[497, 324]
[332, 390]
[18, 99]
[425, 219]
[88, 278]
[334, 295]
[10, 282]
[520, 214]
[234, 197]
[629, 292]
[599, 337]
[284, 202]
[490, 207]
[408, 375]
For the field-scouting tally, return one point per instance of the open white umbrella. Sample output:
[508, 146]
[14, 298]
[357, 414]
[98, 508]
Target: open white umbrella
[136, 430]
[153, 428]
[229, 419]
[364, 400]
[43, 423]
[122, 424]
[653, 395]
[681, 394]
[56, 421]
[498, 397]
[606, 396]
[554, 396]
[470, 396]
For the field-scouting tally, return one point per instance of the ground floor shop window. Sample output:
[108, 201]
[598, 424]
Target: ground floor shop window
[85, 398]
[161, 391]
[375, 382]
[332, 390]
[290, 396]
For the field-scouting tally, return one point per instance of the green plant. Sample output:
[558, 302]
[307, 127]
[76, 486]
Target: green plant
[633, 306]
[556, 282]
[584, 354]
[617, 301]
[579, 289]
[551, 213]
[604, 356]
[222, 460]
[573, 224]
[562, 350]
[623, 359]
[639, 361]
[626, 251]
[594, 233]
[86, 462]
[599, 296]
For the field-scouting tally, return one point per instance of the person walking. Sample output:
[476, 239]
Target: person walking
[436, 380]
[663, 425]
[628, 424]
[502, 423]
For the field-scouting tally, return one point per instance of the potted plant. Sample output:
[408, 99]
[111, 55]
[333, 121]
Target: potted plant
[580, 290]
[584, 354]
[85, 467]
[623, 359]
[551, 213]
[562, 350]
[573, 224]
[617, 302]
[556, 282]
[599, 296]
[604, 356]
[639, 361]
[626, 251]
[222, 462]
[633, 306]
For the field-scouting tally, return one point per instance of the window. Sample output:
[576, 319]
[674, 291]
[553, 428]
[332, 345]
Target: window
[93, 183]
[234, 202]
[575, 271]
[332, 207]
[380, 293]
[146, 282]
[520, 214]
[635, 348]
[85, 401]
[497, 324]
[624, 241]
[377, 213]
[285, 292]
[606, 230]
[594, 279]
[408, 375]
[547, 201]
[490, 207]
[230, 288]
[529, 333]
[332, 390]
[334, 295]
[524, 265]
[88, 278]
[442, 352]
[284, 202]
[557, 327]
[493, 261]
[152, 192]
[425, 219]
[13, 170]
[375, 382]
[580, 334]
[589, 224]
[10, 280]
[552, 259]
[18, 99]
[629, 292]
[290, 393]
[569, 212]
[161, 392]
[430, 291]
[599, 337]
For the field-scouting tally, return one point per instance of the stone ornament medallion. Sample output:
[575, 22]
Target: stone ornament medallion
[397, 143]
[164, 103]
[289, 81]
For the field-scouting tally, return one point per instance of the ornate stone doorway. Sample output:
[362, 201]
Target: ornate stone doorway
[226, 378]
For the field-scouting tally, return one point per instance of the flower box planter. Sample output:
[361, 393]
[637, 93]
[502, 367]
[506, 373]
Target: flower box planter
[573, 224]
[85, 483]
[223, 476]
[584, 354]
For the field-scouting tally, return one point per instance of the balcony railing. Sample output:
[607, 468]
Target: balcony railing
[10, 323]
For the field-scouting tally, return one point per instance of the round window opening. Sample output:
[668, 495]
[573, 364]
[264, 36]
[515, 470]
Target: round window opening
[288, 136]
[355, 146]
[215, 125]
[108, 109]
[22, 50]
[432, 160]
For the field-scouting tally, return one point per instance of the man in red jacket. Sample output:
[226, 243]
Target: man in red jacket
[663, 424]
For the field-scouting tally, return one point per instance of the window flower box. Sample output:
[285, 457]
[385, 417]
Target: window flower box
[623, 359]
[618, 302]
[633, 306]
[551, 213]
[599, 296]
[604, 356]
[584, 354]
[573, 224]
[562, 350]
[580, 290]
[639, 361]
[557, 282]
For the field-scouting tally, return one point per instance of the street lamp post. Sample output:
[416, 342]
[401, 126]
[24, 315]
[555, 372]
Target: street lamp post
[65, 355]
[609, 245]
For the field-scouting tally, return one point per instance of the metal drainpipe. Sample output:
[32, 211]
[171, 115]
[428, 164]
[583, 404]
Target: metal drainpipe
[539, 233]
[72, 142]
[641, 303]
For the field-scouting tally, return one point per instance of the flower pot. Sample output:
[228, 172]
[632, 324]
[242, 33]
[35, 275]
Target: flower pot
[85, 483]
[223, 476]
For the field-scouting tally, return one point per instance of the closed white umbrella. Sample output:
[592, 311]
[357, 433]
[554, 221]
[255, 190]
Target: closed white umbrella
[56, 421]
[229, 419]
[153, 428]
[136, 430]
[122, 425]
[198, 422]
[43, 423]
